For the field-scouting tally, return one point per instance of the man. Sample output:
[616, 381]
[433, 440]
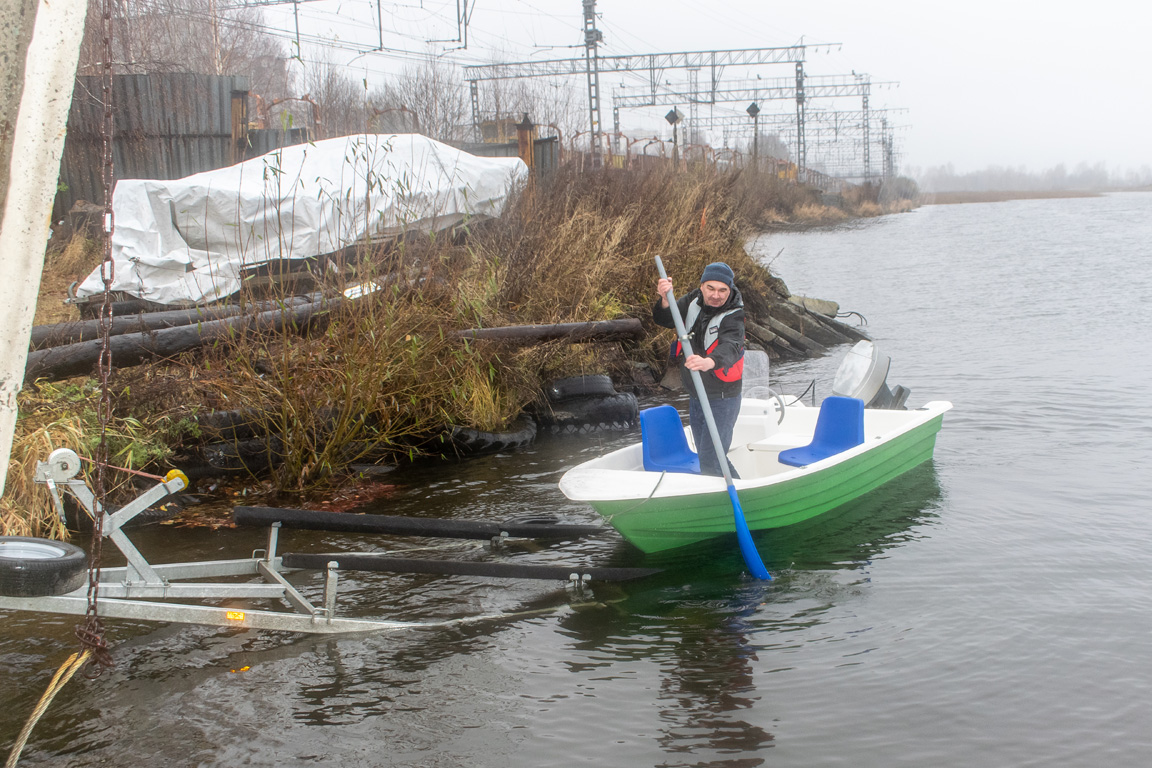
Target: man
[714, 318]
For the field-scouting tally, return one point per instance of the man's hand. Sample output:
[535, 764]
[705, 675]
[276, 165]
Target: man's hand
[698, 363]
[662, 287]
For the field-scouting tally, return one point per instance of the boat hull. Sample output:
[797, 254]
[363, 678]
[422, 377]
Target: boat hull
[660, 522]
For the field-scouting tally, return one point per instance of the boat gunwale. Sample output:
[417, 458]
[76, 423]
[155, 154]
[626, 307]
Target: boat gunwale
[676, 489]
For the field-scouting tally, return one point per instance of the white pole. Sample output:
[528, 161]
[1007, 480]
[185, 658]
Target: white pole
[37, 144]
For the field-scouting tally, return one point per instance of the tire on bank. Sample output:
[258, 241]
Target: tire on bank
[39, 567]
[471, 442]
[585, 414]
[591, 385]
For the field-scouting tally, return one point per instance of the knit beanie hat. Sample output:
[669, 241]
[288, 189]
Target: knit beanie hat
[720, 272]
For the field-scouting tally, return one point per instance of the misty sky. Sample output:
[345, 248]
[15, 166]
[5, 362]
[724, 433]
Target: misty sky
[1007, 83]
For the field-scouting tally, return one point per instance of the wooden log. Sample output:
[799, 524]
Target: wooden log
[135, 348]
[796, 337]
[770, 340]
[849, 332]
[605, 330]
[813, 325]
[58, 334]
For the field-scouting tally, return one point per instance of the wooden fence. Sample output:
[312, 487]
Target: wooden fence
[165, 126]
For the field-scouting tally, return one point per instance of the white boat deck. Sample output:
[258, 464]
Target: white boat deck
[757, 441]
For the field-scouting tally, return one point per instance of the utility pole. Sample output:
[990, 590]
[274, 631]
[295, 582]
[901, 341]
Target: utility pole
[690, 131]
[801, 149]
[754, 111]
[889, 149]
[801, 90]
[865, 86]
[616, 129]
[592, 37]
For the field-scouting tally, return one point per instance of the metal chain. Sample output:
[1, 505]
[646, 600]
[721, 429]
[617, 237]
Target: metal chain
[91, 632]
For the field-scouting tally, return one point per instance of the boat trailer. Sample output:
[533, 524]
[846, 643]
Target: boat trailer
[145, 591]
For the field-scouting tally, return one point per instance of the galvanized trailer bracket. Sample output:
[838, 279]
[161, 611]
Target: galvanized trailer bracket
[141, 590]
[146, 591]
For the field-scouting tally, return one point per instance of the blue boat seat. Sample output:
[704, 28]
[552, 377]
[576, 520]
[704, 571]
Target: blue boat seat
[664, 442]
[839, 426]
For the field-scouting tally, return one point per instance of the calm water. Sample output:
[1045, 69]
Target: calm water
[992, 608]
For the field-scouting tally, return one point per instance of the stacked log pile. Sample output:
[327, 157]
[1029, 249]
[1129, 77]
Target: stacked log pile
[800, 327]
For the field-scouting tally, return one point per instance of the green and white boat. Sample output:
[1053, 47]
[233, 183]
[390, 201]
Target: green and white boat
[792, 462]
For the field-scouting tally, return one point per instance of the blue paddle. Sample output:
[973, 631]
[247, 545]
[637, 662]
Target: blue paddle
[743, 535]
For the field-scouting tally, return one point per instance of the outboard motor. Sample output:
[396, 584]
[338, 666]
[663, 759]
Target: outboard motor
[863, 374]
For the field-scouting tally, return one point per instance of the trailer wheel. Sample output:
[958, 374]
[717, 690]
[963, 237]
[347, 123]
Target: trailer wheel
[39, 567]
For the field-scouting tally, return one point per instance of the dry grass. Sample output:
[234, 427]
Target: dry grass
[79, 256]
[383, 376]
[64, 416]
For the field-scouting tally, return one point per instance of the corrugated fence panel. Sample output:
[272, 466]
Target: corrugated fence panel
[166, 126]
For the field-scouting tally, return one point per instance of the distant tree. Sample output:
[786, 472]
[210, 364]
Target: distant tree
[560, 104]
[898, 188]
[1000, 178]
[429, 98]
[341, 102]
[770, 145]
[188, 36]
[432, 97]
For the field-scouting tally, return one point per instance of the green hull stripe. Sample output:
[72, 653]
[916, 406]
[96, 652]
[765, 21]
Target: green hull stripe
[660, 524]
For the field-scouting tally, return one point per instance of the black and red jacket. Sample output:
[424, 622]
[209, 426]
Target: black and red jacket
[717, 333]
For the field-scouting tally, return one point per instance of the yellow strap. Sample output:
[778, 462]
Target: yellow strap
[59, 680]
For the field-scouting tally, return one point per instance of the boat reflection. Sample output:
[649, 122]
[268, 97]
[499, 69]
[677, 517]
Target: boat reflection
[847, 537]
[705, 622]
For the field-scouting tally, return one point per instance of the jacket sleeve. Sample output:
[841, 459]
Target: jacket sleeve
[730, 345]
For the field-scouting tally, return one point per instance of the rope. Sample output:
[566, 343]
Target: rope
[811, 387]
[59, 680]
[642, 502]
[863, 320]
[125, 469]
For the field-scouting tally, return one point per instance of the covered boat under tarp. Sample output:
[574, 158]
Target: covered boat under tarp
[188, 241]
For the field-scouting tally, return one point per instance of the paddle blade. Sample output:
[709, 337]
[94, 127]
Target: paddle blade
[744, 538]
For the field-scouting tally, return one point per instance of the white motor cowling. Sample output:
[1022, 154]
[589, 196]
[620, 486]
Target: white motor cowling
[863, 374]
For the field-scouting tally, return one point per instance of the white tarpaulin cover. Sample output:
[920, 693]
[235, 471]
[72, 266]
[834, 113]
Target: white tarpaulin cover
[186, 241]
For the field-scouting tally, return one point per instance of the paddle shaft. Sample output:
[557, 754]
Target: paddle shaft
[743, 535]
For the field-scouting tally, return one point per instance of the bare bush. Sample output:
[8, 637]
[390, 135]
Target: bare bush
[340, 101]
[188, 36]
[429, 98]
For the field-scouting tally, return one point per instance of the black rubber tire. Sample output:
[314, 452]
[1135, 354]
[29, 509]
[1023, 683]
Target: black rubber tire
[39, 567]
[585, 414]
[470, 442]
[592, 385]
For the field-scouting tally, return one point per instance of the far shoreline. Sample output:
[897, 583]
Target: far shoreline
[999, 196]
